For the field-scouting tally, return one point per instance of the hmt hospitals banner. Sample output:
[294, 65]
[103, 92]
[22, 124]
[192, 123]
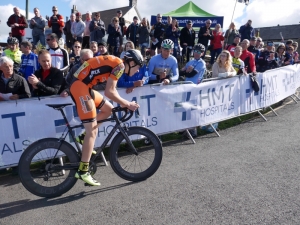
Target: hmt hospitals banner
[164, 109]
[275, 85]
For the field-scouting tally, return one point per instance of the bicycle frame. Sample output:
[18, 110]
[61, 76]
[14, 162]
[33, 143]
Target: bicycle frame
[117, 126]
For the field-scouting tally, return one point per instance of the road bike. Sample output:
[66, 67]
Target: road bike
[47, 167]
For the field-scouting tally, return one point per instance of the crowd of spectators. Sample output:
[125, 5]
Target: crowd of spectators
[26, 73]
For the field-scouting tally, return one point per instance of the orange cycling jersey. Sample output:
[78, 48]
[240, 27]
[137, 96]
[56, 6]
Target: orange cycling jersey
[99, 69]
[95, 70]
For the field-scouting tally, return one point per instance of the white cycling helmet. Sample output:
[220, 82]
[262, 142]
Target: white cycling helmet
[167, 44]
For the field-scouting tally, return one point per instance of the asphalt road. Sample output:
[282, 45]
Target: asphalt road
[249, 175]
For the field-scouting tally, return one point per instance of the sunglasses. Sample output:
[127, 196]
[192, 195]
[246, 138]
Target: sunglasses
[197, 51]
[54, 10]
[77, 47]
[223, 56]
[116, 20]
[48, 39]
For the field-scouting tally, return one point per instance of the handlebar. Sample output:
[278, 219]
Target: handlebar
[128, 113]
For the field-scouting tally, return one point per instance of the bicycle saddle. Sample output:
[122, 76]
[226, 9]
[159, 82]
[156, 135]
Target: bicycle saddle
[58, 106]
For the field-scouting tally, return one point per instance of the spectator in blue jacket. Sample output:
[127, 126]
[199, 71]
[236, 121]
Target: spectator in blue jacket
[29, 60]
[246, 31]
[114, 36]
[173, 33]
[139, 79]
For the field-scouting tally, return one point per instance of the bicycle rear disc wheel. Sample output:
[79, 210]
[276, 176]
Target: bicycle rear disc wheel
[40, 167]
[136, 167]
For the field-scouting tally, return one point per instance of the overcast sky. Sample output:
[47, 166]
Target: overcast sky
[262, 12]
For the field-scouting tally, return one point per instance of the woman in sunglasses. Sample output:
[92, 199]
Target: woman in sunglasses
[74, 57]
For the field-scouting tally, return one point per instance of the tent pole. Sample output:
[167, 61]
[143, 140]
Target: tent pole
[233, 10]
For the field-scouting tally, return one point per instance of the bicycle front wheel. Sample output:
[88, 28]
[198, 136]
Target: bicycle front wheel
[143, 164]
[47, 171]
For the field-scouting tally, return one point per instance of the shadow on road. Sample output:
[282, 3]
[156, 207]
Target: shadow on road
[12, 208]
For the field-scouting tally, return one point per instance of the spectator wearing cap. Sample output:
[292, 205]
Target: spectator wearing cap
[230, 34]
[157, 34]
[216, 43]
[97, 28]
[17, 22]
[68, 31]
[248, 57]
[163, 68]
[56, 21]
[236, 42]
[194, 69]
[102, 48]
[264, 55]
[173, 33]
[132, 31]
[252, 48]
[86, 33]
[271, 62]
[204, 35]
[12, 51]
[187, 40]
[246, 31]
[114, 36]
[37, 24]
[121, 22]
[77, 28]
[10, 82]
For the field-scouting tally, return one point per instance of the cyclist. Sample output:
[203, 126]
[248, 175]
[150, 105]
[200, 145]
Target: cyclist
[163, 68]
[99, 69]
[13, 52]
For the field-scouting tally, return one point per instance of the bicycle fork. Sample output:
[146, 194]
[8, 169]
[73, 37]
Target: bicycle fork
[132, 148]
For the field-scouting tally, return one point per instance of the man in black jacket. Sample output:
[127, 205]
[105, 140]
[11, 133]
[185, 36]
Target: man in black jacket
[67, 31]
[204, 35]
[48, 80]
[187, 39]
[157, 35]
[132, 31]
[12, 86]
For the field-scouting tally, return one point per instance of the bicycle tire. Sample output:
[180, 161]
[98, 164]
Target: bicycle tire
[36, 159]
[121, 158]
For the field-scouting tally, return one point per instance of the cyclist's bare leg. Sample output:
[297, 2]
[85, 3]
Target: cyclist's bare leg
[91, 130]
[105, 112]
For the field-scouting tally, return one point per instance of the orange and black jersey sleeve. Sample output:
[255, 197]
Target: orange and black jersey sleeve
[99, 69]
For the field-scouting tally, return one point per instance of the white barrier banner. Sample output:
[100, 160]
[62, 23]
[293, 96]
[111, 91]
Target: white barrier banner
[163, 109]
[275, 85]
